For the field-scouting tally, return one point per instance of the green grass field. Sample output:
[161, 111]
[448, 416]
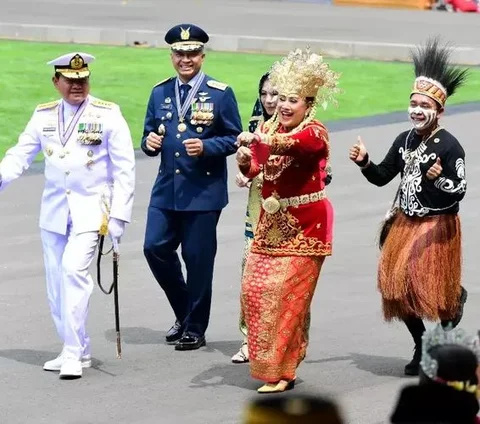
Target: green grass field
[125, 75]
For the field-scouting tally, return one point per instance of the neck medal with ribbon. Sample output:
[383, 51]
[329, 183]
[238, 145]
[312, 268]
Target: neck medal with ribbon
[183, 109]
[65, 134]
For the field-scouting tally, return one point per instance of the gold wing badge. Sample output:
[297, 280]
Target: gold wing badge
[185, 34]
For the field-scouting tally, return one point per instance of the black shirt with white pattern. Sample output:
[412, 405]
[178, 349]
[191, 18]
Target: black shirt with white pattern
[411, 158]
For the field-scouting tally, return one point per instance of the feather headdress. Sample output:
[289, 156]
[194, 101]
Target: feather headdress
[436, 77]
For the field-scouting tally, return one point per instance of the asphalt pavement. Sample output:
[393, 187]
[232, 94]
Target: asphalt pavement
[353, 355]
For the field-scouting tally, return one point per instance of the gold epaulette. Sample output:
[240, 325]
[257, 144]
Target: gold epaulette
[49, 105]
[218, 85]
[103, 104]
[163, 81]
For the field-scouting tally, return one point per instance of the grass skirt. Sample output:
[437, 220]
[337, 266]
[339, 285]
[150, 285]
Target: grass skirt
[419, 273]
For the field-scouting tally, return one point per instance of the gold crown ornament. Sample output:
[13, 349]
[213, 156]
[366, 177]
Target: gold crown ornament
[306, 75]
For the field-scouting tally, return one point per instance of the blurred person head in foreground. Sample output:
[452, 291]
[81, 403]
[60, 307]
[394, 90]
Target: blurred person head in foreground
[296, 409]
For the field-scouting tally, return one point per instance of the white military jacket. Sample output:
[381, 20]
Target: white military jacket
[90, 172]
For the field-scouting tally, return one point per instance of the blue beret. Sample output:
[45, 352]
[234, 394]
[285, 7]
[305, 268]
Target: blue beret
[186, 37]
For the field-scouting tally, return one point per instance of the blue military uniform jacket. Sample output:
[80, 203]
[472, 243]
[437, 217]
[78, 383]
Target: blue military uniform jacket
[186, 183]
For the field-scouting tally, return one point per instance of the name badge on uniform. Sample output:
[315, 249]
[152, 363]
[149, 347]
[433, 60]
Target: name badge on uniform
[202, 114]
[90, 133]
[49, 129]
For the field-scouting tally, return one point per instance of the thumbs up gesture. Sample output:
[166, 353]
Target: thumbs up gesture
[358, 151]
[435, 170]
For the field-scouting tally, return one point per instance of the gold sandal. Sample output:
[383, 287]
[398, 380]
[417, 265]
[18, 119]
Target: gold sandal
[279, 387]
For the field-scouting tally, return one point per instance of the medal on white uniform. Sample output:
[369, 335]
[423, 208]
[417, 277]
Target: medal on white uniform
[65, 134]
[182, 109]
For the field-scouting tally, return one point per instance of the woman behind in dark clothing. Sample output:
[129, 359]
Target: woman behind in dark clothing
[263, 110]
[265, 105]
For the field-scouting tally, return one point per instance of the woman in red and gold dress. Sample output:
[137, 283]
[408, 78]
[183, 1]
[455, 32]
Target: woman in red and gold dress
[294, 232]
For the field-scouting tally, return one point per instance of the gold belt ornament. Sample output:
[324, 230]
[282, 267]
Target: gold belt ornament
[272, 204]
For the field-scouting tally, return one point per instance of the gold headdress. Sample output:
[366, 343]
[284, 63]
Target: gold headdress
[305, 74]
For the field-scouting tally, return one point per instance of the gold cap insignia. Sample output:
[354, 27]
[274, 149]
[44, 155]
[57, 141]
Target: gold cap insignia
[186, 38]
[185, 34]
[77, 62]
[73, 65]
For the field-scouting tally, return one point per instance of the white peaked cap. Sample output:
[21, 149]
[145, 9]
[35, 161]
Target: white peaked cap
[73, 65]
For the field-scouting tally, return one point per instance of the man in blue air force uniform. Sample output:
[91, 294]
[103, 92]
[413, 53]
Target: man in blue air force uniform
[192, 121]
[89, 186]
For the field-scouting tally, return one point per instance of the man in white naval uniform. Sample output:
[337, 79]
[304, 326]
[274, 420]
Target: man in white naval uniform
[89, 185]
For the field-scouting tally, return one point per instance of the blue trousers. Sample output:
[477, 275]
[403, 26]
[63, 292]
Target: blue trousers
[196, 233]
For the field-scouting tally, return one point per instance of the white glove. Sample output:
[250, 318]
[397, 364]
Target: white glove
[116, 227]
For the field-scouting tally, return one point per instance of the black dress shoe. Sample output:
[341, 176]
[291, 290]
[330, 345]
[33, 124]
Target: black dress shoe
[459, 315]
[174, 334]
[190, 342]
[413, 367]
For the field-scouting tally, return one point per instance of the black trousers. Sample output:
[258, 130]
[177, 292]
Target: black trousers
[196, 233]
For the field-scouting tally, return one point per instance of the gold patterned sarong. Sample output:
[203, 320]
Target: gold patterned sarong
[276, 297]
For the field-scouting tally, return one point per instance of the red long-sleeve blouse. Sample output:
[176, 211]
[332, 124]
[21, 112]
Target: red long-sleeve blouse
[294, 183]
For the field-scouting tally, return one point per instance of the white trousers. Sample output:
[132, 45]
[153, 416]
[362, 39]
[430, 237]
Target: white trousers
[69, 285]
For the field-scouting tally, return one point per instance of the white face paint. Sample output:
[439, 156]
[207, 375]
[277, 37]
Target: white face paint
[421, 118]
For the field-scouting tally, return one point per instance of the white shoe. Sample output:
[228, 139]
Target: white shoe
[56, 364]
[71, 368]
[241, 356]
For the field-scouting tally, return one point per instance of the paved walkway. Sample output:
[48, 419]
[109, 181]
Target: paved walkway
[353, 355]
